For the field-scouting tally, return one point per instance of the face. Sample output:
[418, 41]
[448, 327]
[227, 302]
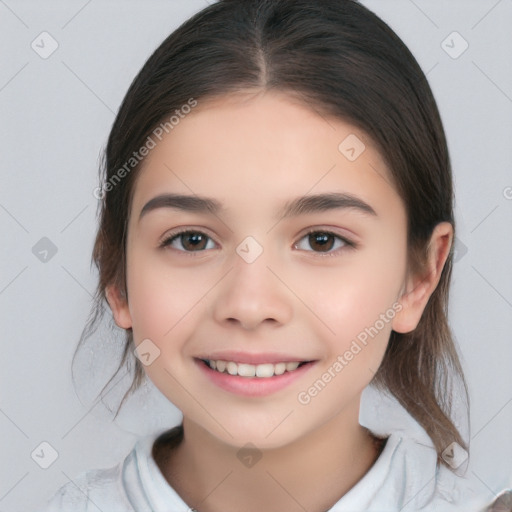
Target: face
[246, 274]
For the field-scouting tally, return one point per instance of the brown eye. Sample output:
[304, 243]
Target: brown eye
[189, 241]
[193, 241]
[323, 242]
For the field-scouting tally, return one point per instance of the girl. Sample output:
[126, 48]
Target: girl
[276, 240]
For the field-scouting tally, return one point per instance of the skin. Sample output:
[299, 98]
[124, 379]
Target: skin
[253, 152]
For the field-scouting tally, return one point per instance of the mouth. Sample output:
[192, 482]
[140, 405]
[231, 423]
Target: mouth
[258, 378]
[260, 371]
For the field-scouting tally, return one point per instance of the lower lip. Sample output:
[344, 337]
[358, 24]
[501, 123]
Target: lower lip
[253, 386]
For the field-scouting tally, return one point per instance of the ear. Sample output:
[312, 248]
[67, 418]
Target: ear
[119, 306]
[419, 288]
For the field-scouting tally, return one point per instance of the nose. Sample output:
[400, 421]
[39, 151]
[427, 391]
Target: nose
[251, 296]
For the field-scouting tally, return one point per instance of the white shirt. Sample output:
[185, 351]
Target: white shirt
[404, 478]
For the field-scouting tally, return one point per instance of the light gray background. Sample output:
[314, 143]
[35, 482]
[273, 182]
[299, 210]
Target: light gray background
[55, 117]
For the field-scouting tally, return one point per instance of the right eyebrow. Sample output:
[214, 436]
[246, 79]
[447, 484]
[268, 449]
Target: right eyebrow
[187, 203]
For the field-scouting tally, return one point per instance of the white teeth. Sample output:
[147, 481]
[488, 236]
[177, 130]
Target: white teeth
[250, 370]
[246, 370]
[232, 368]
[265, 370]
[279, 368]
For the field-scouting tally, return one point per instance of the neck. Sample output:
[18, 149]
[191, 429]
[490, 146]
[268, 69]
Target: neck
[310, 473]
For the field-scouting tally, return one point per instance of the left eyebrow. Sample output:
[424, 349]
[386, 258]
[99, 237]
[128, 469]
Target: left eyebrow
[323, 202]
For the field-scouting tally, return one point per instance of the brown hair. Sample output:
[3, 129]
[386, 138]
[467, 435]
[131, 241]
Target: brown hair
[341, 60]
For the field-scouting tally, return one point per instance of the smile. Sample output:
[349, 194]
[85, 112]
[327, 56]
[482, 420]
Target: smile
[259, 379]
[261, 371]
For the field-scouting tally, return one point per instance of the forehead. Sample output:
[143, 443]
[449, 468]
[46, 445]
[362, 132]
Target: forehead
[247, 146]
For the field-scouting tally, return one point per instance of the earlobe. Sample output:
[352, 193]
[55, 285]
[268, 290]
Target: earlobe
[119, 307]
[418, 288]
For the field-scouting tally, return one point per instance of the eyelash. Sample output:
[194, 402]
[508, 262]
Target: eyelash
[348, 244]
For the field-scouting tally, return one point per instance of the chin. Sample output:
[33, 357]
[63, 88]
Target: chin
[257, 433]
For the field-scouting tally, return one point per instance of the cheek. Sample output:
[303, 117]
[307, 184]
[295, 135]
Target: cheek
[160, 297]
[357, 301]
[348, 299]
[358, 304]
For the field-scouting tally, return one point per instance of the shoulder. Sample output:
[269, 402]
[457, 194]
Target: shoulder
[408, 477]
[134, 485]
[93, 490]
[408, 472]
[425, 484]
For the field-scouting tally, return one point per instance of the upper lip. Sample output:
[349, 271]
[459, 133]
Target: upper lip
[248, 358]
